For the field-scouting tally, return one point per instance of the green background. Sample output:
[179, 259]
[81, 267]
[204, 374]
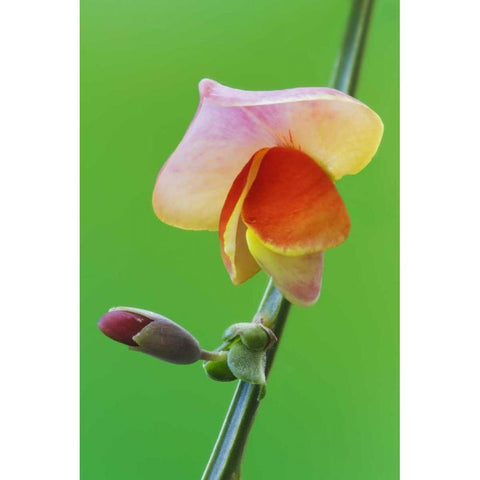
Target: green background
[332, 406]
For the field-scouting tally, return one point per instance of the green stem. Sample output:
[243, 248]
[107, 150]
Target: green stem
[226, 459]
[349, 59]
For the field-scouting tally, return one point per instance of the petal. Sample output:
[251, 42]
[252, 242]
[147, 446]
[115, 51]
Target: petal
[234, 97]
[191, 187]
[298, 278]
[235, 254]
[340, 133]
[293, 206]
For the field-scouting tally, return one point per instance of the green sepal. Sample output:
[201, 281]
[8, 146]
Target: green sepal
[247, 365]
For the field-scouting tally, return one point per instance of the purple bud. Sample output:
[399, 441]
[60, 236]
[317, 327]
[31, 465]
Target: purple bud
[151, 333]
[122, 326]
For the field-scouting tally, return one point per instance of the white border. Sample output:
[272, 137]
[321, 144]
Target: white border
[440, 242]
[39, 193]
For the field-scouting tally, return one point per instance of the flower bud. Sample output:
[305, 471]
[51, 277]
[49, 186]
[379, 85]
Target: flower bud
[219, 370]
[151, 333]
[122, 326]
[254, 336]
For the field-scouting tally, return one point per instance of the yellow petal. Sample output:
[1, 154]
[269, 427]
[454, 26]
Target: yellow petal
[299, 278]
[235, 254]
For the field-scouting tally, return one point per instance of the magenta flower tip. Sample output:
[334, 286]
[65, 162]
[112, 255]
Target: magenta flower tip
[122, 326]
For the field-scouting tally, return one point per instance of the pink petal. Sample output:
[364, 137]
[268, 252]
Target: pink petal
[192, 186]
[340, 133]
[299, 278]
[234, 97]
[122, 326]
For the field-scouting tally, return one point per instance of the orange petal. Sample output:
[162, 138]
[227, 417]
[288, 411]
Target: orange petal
[235, 254]
[293, 206]
[298, 278]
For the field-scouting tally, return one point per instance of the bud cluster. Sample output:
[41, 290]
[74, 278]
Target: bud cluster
[245, 345]
[242, 355]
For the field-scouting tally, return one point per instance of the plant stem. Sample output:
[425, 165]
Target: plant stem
[349, 59]
[226, 459]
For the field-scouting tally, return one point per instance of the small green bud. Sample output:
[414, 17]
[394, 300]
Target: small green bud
[254, 336]
[219, 370]
[234, 330]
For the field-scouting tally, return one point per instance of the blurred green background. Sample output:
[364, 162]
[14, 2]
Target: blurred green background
[332, 409]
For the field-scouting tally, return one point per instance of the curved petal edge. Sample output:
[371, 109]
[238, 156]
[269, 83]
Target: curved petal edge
[298, 278]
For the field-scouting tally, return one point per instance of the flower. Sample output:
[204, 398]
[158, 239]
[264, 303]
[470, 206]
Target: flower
[260, 168]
